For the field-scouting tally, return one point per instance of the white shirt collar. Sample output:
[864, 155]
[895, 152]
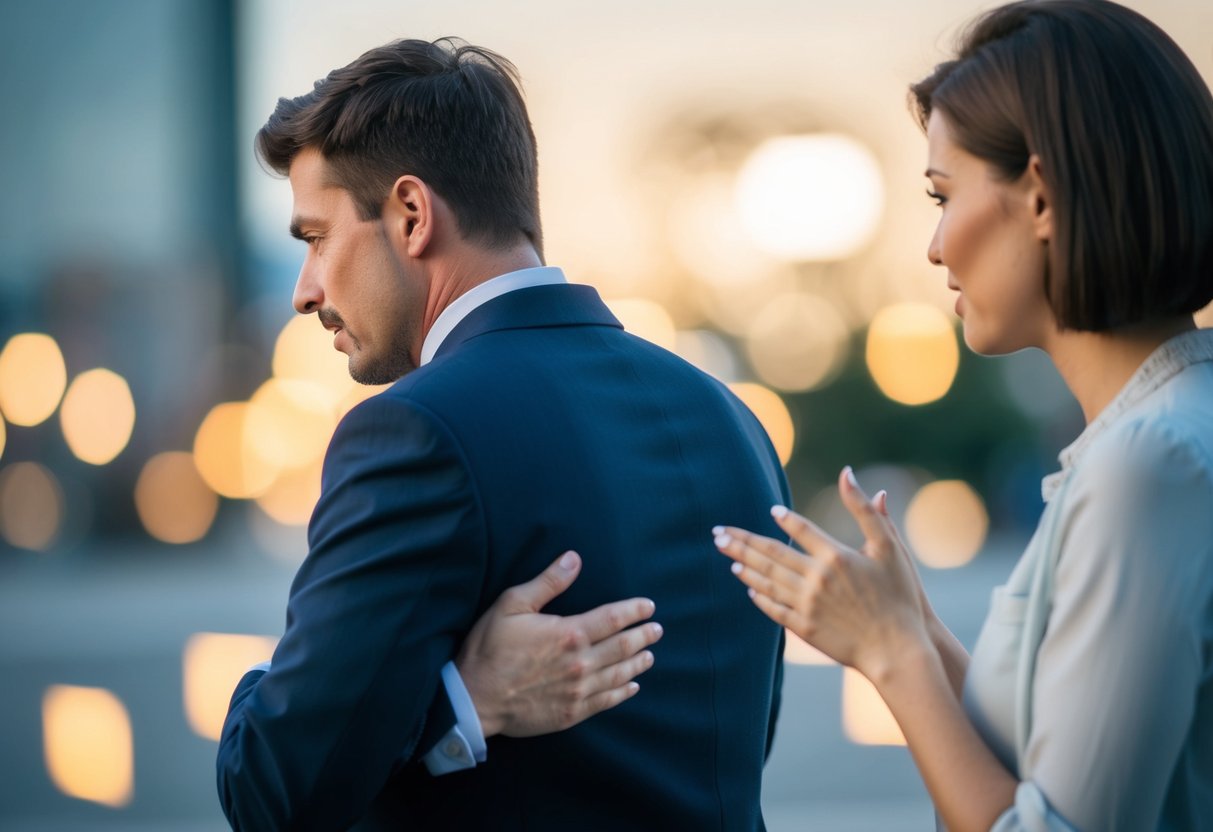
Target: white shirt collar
[462, 306]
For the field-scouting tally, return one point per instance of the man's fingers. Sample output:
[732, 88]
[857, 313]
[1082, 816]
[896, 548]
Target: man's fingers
[608, 699]
[616, 675]
[870, 520]
[623, 646]
[609, 619]
[538, 592]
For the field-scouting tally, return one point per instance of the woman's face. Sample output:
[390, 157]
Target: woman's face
[991, 237]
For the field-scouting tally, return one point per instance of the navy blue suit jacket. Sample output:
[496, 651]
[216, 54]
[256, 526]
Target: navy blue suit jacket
[540, 426]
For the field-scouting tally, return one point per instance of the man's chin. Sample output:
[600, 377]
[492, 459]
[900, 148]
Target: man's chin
[375, 373]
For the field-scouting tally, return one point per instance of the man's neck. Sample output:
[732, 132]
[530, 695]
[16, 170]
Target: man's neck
[467, 269]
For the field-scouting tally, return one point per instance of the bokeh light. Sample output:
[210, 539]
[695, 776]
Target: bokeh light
[223, 457]
[31, 506]
[798, 651]
[707, 351]
[212, 665]
[87, 744]
[32, 378]
[97, 416]
[866, 719]
[946, 524]
[811, 197]
[304, 352]
[707, 237]
[174, 504]
[293, 495]
[289, 422]
[912, 353]
[797, 342]
[772, 413]
[645, 319]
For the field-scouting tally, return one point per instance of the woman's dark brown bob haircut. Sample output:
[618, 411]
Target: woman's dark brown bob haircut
[446, 112]
[1123, 125]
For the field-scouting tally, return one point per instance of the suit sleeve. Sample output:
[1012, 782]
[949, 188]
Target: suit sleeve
[389, 588]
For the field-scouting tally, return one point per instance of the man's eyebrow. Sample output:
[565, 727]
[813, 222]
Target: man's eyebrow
[297, 224]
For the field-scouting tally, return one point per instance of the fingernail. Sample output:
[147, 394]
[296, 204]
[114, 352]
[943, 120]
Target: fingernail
[882, 501]
[850, 475]
[567, 561]
[648, 659]
[736, 568]
[717, 530]
[651, 606]
[658, 630]
[723, 540]
[633, 687]
[779, 512]
[750, 592]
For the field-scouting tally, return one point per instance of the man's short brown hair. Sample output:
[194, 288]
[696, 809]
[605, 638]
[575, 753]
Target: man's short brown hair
[446, 112]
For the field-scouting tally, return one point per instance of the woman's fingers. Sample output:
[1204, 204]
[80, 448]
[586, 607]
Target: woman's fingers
[757, 567]
[867, 515]
[760, 553]
[805, 532]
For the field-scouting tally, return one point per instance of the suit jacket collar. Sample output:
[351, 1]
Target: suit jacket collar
[535, 307]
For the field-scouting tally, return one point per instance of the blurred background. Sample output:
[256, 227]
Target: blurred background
[743, 187]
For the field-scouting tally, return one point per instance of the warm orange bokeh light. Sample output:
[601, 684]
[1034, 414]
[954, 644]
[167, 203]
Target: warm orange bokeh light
[223, 458]
[289, 423]
[645, 319]
[304, 352]
[212, 664]
[772, 413]
[174, 504]
[293, 495]
[32, 378]
[866, 719]
[946, 524]
[31, 506]
[912, 353]
[87, 742]
[797, 341]
[97, 416]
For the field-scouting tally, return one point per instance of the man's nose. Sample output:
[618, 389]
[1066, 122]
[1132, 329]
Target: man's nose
[308, 296]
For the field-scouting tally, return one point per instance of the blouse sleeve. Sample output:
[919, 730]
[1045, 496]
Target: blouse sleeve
[1122, 658]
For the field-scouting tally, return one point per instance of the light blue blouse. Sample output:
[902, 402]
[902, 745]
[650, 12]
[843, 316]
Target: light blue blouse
[1092, 678]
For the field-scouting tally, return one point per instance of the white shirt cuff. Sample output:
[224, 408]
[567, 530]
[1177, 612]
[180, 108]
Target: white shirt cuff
[463, 746]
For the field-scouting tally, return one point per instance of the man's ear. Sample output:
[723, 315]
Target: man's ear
[409, 213]
[1040, 200]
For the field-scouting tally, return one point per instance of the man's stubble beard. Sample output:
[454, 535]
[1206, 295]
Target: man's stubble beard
[391, 368]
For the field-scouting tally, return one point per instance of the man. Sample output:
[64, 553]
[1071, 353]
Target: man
[524, 421]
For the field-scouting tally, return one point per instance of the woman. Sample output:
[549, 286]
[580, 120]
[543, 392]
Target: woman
[1070, 148]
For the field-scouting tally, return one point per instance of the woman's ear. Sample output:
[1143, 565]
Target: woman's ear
[1040, 200]
[409, 213]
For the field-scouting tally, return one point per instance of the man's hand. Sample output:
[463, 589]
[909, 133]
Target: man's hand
[530, 673]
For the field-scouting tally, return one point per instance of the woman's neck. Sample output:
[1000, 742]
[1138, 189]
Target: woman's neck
[1097, 365]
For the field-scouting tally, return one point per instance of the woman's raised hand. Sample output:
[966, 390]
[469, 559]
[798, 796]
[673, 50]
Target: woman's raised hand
[860, 608]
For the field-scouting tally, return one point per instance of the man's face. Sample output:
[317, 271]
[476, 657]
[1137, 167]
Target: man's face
[354, 278]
